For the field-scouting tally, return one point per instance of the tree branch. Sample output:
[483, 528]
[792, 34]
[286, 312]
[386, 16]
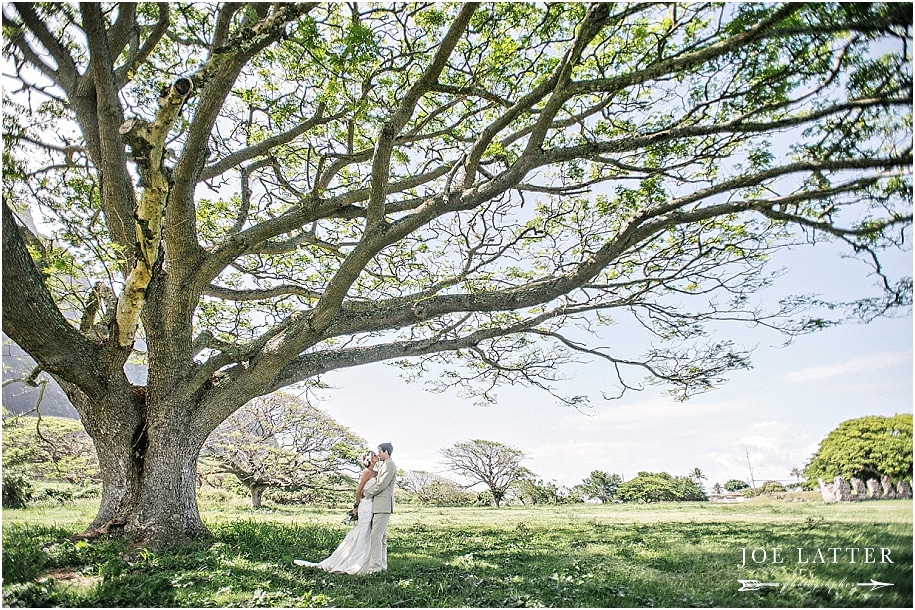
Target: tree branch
[66, 71]
[260, 294]
[214, 81]
[120, 31]
[381, 159]
[33, 321]
[122, 74]
[264, 146]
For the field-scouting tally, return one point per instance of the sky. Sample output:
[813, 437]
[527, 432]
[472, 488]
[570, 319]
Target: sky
[770, 418]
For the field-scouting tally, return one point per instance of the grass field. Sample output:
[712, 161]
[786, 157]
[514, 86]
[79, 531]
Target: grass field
[665, 555]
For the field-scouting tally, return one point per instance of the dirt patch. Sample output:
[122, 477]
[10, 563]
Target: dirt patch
[69, 578]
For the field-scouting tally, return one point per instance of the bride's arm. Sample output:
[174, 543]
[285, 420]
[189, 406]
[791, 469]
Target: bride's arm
[367, 474]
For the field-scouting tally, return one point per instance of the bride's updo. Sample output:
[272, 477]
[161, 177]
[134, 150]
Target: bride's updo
[366, 459]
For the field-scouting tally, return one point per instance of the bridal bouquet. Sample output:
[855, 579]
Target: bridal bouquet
[351, 515]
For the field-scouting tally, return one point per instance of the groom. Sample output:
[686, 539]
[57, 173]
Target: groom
[382, 494]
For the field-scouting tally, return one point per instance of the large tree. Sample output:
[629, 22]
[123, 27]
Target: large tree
[600, 485]
[253, 195]
[865, 447]
[496, 465]
[280, 441]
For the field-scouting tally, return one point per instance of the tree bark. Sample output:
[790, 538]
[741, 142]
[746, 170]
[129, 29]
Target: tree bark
[148, 467]
[119, 465]
[257, 494]
[168, 514]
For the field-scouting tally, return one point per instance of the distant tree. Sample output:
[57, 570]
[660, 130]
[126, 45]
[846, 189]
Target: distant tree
[532, 490]
[433, 489]
[52, 448]
[865, 447]
[660, 487]
[278, 441]
[736, 485]
[772, 487]
[717, 488]
[600, 485]
[697, 476]
[495, 465]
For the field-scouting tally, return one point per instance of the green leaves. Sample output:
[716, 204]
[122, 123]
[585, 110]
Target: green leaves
[650, 487]
[865, 447]
[650, 178]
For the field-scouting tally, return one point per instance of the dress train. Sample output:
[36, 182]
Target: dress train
[352, 556]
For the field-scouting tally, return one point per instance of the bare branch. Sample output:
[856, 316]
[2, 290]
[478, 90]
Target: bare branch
[381, 158]
[65, 72]
[260, 294]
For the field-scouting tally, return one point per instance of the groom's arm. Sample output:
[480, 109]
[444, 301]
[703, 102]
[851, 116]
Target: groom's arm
[383, 482]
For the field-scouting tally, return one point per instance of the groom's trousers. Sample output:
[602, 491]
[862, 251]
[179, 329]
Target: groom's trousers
[378, 556]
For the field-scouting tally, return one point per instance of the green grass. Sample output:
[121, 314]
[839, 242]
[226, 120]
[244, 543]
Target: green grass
[671, 555]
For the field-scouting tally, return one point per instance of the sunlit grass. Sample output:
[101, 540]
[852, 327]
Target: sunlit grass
[554, 556]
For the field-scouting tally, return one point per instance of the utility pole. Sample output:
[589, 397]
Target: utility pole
[752, 481]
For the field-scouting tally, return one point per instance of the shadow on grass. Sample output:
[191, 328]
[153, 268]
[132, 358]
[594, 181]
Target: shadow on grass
[573, 563]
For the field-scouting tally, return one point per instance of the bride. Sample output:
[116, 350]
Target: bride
[352, 556]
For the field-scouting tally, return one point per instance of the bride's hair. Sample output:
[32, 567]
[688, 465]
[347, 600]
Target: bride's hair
[366, 459]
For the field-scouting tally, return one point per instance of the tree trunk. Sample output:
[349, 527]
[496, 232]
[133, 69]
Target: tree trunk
[121, 474]
[257, 494]
[168, 513]
[149, 470]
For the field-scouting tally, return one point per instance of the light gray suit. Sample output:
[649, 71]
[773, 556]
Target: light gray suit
[382, 494]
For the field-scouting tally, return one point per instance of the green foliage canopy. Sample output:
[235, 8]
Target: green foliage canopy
[600, 485]
[736, 485]
[258, 194]
[280, 441]
[865, 447]
[660, 487]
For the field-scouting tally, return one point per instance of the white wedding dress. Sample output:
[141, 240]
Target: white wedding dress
[352, 556]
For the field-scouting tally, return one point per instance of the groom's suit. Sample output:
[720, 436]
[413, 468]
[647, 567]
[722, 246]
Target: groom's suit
[382, 494]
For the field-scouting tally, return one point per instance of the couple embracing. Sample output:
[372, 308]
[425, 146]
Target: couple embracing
[365, 548]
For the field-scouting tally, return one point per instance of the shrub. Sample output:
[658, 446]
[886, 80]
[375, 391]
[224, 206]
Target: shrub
[660, 487]
[47, 594]
[23, 559]
[484, 498]
[17, 490]
[772, 487]
[736, 485]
